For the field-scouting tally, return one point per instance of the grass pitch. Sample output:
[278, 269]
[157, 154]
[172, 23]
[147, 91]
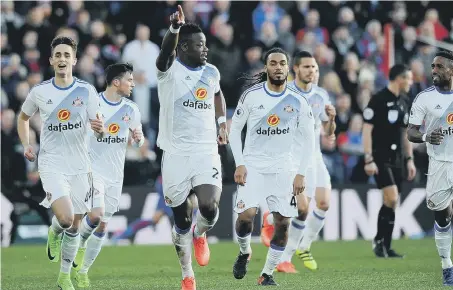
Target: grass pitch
[342, 265]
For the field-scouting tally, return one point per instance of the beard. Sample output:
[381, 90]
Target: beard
[438, 81]
[277, 82]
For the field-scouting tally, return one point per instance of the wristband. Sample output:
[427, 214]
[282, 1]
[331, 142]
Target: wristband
[174, 30]
[221, 119]
[408, 158]
[369, 162]
[424, 137]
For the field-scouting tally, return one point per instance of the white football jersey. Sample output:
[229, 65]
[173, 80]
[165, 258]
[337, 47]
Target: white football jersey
[108, 154]
[318, 98]
[65, 115]
[187, 122]
[273, 121]
[433, 110]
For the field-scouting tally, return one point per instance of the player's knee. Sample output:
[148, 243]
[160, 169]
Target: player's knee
[209, 211]
[183, 222]
[66, 221]
[323, 205]
[391, 202]
[102, 227]
[442, 218]
[95, 217]
[244, 226]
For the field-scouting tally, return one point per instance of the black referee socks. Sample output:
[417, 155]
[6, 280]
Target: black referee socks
[386, 222]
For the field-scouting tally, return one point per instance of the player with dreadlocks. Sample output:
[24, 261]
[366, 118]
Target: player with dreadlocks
[276, 116]
[190, 104]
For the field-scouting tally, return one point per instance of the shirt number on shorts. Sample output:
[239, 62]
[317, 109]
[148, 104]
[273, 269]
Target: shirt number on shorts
[216, 173]
[293, 201]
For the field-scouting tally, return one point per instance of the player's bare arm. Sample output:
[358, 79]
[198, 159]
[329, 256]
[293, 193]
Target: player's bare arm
[409, 158]
[370, 165]
[23, 129]
[415, 136]
[220, 115]
[330, 126]
[167, 51]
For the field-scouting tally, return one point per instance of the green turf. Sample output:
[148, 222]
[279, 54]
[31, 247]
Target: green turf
[342, 265]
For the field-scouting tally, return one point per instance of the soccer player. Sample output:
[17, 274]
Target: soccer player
[433, 107]
[303, 230]
[107, 156]
[387, 152]
[190, 103]
[275, 114]
[66, 105]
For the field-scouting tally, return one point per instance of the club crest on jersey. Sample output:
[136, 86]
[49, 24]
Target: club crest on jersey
[211, 82]
[63, 115]
[77, 102]
[288, 109]
[201, 94]
[126, 118]
[273, 120]
[113, 129]
[450, 119]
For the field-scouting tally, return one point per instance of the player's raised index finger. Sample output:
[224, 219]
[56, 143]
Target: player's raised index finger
[181, 13]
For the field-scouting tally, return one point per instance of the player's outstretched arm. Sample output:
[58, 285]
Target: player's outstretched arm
[220, 114]
[23, 130]
[167, 52]
[237, 124]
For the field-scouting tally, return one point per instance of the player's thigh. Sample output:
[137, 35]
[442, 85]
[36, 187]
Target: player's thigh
[207, 169]
[112, 200]
[439, 187]
[55, 185]
[81, 192]
[323, 186]
[251, 193]
[310, 182]
[99, 187]
[280, 198]
[176, 178]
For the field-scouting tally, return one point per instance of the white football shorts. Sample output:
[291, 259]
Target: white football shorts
[107, 195]
[439, 188]
[317, 176]
[275, 188]
[78, 187]
[182, 173]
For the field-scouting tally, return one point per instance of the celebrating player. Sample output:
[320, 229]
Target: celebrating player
[433, 107]
[66, 104]
[190, 102]
[318, 180]
[107, 156]
[275, 115]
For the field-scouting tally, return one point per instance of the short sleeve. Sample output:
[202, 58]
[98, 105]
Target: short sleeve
[417, 112]
[217, 84]
[167, 75]
[29, 107]
[371, 111]
[93, 106]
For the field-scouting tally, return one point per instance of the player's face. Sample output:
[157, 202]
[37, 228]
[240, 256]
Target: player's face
[306, 70]
[277, 68]
[197, 50]
[441, 71]
[406, 81]
[63, 59]
[125, 85]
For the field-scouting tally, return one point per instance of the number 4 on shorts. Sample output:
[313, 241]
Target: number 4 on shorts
[293, 201]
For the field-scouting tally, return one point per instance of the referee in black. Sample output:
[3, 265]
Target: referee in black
[387, 151]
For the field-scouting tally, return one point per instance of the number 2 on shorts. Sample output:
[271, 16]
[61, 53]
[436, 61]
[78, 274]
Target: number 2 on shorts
[216, 173]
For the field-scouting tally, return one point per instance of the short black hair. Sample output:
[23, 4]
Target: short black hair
[300, 55]
[117, 71]
[446, 54]
[187, 29]
[64, 40]
[397, 70]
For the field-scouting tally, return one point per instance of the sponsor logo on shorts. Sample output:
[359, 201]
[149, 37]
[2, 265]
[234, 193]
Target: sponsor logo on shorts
[450, 119]
[201, 94]
[240, 204]
[63, 115]
[113, 128]
[48, 196]
[168, 200]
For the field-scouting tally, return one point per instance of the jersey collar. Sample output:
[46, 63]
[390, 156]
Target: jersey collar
[271, 93]
[110, 103]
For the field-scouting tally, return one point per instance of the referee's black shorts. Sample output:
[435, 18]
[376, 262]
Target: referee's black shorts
[389, 174]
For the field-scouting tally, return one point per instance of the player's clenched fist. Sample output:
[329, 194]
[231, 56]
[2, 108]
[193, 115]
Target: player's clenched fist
[298, 184]
[97, 125]
[223, 136]
[330, 111]
[240, 175]
[29, 153]
[137, 135]
[435, 137]
[371, 169]
[177, 19]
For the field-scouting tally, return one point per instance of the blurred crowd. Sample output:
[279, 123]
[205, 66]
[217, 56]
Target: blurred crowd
[347, 39]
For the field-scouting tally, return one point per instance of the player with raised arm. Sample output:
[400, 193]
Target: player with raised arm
[66, 105]
[303, 231]
[190, 104]
[275, 114]
[121, 116]
[433, 108]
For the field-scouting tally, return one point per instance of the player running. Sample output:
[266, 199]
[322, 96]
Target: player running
[303, 231]
[190, 103]
[433, 107]
[275, 114]
[107, 157]
[66, 105]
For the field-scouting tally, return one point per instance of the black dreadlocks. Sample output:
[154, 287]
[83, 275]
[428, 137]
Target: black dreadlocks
[262, 76]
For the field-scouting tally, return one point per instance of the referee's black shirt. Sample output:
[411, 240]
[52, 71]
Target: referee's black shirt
[389, 115]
